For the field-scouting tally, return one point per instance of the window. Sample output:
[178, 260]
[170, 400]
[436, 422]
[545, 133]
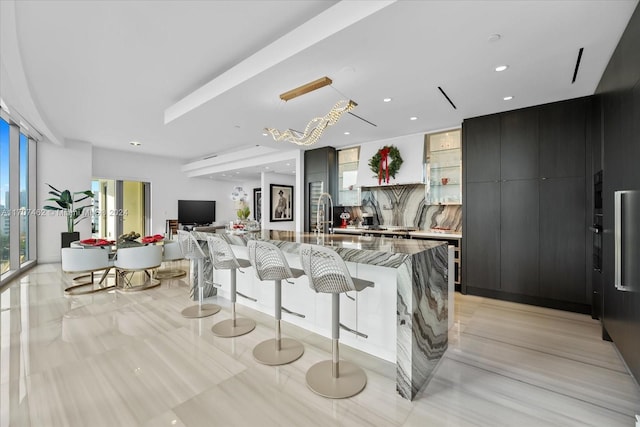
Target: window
[5, 217]
[17, 190]
[348, 193]
[24, 198]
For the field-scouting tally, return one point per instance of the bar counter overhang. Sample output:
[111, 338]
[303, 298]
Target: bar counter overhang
[421, 291]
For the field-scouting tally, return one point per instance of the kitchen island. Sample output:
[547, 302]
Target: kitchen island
[402, 319]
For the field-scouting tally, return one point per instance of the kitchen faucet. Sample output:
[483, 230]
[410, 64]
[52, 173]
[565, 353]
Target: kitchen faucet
[321, 208]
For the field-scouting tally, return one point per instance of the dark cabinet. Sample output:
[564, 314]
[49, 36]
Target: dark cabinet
[481, 242]
[519, 144]
[481, 138]
[562, 239]
[519, 237]
[562, 139]
[320, 176]
[525, 205]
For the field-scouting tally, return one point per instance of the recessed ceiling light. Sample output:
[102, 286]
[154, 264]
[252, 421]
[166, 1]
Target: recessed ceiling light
[293, 171]
[288, 164]
[413, 118]
[494, 37]
[267, 167]
[508, 98]
[501, 67]
[386, 100]
[347, 133]
[264, 134]
[135, 143]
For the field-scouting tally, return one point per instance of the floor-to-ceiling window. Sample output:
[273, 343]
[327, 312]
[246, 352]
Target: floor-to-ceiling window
[17, 196]
[5, 212]
[23, 153]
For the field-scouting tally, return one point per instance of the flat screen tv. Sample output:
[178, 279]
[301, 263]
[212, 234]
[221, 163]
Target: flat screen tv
[197, 212]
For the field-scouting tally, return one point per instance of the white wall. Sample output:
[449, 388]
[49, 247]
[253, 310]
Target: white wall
[66, 168]
[168, 184]
[76, 164]
[274, 178]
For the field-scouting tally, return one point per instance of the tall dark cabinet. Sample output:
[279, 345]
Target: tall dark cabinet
[524, 207]
[320, 176]
[618, 95]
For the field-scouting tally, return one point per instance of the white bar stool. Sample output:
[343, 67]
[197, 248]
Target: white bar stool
[270, 264]
[192, 251]
[328, 273]
[223, 258]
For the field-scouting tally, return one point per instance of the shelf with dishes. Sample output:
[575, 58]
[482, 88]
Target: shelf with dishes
[444, 168]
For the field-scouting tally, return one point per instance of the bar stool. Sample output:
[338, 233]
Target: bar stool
[192, 251]
[270, 264]
[328, 273]
[223, 258]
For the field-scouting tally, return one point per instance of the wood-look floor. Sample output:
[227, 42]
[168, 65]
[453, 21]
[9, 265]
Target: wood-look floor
[116, 359]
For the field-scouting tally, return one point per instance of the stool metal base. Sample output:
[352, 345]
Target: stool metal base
[351, 381]
[225, 329]
[266, 352]
[197, 311]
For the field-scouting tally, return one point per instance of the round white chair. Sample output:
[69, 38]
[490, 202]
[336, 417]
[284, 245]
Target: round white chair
[223, 258]
[77, 260]
[192, 251]
[328, 273]
[270, 264]
[137, 259]
[171, 252]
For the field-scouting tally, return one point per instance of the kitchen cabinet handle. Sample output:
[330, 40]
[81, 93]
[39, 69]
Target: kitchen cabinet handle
[595, 229]
[620, 213]
[544, 178]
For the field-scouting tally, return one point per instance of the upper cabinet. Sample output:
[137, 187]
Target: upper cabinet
[348, 191]
[411, 148]
[519, 144]
[444, 167]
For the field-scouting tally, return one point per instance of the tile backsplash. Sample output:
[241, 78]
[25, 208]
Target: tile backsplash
[405, 206]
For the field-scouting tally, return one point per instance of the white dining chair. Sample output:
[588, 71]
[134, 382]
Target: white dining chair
[137, 259]
[86, 262]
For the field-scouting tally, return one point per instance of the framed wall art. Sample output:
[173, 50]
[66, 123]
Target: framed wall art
[281, 203]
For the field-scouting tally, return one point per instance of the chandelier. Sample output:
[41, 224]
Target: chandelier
[315, 127]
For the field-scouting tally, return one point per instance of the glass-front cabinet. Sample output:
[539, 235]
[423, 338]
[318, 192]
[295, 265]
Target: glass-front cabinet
[444, 167]
[348, 192]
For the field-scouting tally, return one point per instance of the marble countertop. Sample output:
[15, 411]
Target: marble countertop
[367, 243]
[417, 233]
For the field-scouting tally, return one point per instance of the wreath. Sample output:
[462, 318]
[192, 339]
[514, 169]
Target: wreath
[386, 163]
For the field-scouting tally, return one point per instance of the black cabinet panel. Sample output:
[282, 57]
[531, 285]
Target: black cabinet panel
[519, 144]
[519, 237]
[320, 166]
[562, 139]
[481, 149]
[563, 239]
[481, 242]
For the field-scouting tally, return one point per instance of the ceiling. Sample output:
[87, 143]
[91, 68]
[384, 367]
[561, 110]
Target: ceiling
[106, 71]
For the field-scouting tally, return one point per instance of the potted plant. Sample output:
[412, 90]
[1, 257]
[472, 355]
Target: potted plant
[243, 212]
[66, 202]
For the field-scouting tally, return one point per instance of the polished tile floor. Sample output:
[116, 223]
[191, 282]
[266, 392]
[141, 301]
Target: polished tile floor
[116, 359]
